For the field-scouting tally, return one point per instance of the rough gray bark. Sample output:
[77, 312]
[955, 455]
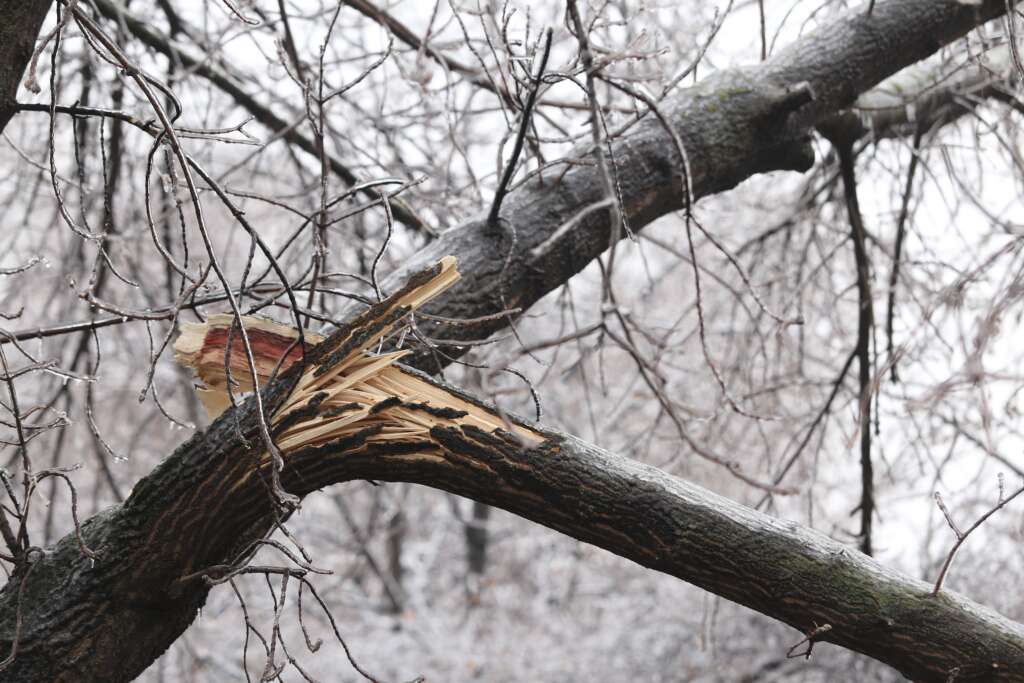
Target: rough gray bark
[108, 619]
[733, 125]
[20, 21]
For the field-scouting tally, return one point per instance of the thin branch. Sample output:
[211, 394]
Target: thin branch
[897, 255]
[962, 536]
[865, 328]
[524, 125]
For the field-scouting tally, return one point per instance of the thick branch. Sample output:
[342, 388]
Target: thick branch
[202, 507]
[926, 97]
[733, 125]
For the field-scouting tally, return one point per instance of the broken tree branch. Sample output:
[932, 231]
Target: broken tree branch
[206, 504]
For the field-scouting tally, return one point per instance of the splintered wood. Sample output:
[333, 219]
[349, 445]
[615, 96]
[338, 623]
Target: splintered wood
[349, 390]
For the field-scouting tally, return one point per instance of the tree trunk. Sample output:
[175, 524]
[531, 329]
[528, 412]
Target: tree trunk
[20, 21]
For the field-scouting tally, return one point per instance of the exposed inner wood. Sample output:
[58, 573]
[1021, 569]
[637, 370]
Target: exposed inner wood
[334, 399]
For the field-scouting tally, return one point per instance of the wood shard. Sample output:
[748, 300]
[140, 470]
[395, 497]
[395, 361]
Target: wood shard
[201, 346]
[348, 390]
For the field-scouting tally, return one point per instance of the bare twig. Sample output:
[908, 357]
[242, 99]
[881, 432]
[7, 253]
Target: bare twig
[961, 536]
[524, 125]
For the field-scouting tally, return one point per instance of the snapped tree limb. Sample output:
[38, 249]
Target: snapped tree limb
[343, 414]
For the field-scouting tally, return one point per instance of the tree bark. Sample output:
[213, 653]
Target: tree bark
[733, 125]
[78, 619]
[108, 619]
[20, 21]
